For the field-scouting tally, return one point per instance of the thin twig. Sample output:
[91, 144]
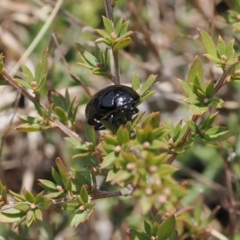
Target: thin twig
[144, 29]
[109, 14]
[74, 77]
[109, 9]
[230, 195]
[116, 66]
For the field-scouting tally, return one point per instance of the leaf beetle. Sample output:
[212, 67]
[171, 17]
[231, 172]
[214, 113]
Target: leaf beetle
[115, 104]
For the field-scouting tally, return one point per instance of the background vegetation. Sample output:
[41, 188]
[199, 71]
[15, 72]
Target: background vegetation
[166, 40]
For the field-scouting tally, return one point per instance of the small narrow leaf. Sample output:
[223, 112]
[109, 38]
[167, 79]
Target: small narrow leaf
[122, 44]
[148, 84]
[209, 89]
[186, 88]
[208, 43]
[102, 33]
[61, 114]
[28, 196]
[193, 126]
[196, 70]
[118, 27]
[221, 46]
[135, 82]
[81, 217]
[108, 25]
[124, 28]
[123, 136]
[108, 160]
[166, 228]
[84, 195]
[23, 83]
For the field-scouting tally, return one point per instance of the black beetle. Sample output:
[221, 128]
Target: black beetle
[115, 104]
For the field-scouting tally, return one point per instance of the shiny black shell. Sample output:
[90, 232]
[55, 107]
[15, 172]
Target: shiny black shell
[116, 104]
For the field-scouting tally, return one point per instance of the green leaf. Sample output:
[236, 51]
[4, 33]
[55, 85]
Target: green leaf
[122, 44]
[166, 228]
[213, 58]
[29, 119]
[56, 176]
[221, 46]
[30, 218]
[28, 196]
[26, 127]
[11, 215]
[152, 120]
[108, 160]
[166, 170]
[101, 72]
[90, 134]
[192, 100]
[216, 102]
[208, 43]
[18, 197]
[177, 131]
[85, 65]
[61, 114]
[81, 217]
[198, 209]
[103, 34]
[47, 184]
[38, 214]
[108, 25]
[28, 75]
[186, 88]
[44, 203]
[111, 175]
[63, 172]
[135, 82]
[148, 84]
[196, 70]
[145, 96]
[87, 57]
[23, 83]
[147, 228]
[198, 110]
[209, 89]
[108, 41]
[98, 54]
[118, 27]
[123, 136]
[193, 126]
[217, 134]
[124, 28]
[124, 36]
[122, 176]
[208, 121]
[84, 195]
[22, 206]
[136, 235]
[42, 70]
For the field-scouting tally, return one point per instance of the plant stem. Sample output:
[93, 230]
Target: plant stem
[109, 14]
[109, 9]
[116, 66]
